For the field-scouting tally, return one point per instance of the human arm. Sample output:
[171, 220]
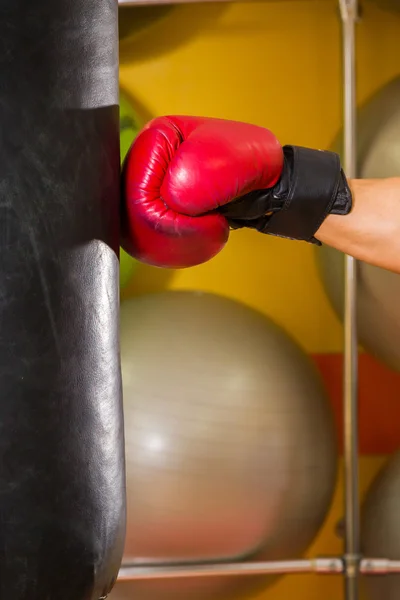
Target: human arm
[371, 231]
[188, 180]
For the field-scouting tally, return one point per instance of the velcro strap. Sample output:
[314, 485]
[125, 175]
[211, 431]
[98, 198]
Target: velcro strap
[313, 187]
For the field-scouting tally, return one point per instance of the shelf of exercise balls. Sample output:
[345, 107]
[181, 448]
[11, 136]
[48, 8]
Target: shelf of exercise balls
[351, 564]
[318, 566]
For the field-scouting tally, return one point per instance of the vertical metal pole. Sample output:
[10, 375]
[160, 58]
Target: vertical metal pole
[349, 15]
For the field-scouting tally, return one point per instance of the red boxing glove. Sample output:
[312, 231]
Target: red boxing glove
[178, 172]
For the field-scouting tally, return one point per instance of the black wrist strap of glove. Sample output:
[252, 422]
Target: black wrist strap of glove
[311, 187]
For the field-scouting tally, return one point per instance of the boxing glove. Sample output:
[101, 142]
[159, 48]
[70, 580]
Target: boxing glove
[178, 172]
[188, 180]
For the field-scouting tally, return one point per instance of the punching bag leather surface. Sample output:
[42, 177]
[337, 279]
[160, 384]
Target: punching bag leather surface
[62, 480]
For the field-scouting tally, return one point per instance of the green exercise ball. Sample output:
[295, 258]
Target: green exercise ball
[378, 290]
[133, 21]
[129, 127]
[127, 268]
[129, 124]
[230, 442]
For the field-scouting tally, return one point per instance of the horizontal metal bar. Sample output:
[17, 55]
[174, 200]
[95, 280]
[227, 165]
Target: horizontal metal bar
[328, 566]
[321, 566]
[158, 2]
[379, 566]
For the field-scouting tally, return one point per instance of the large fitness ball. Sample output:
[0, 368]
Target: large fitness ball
[380, 528]
[129, 127]
[378, 307]
[230, 441]
[129, 123]
[392, 5]
[135, 21]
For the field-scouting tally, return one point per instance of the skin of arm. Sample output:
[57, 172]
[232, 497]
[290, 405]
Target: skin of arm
[371, 231]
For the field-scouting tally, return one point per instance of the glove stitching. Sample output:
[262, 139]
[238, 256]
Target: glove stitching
[177, 131]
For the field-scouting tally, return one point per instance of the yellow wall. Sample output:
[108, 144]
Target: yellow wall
[276, 64]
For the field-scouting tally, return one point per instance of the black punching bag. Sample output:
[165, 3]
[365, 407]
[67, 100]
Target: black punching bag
[62, 480]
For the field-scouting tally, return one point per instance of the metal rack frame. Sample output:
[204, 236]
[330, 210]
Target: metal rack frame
[351, 565]
[319, 566]
[158, 2]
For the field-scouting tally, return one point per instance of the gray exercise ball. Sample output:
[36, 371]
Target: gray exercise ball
[380, 528]
[392, 5]
[378, 303]
[230, 441]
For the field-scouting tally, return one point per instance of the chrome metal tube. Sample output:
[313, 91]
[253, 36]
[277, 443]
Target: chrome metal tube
[379, 566]
[349, 13]
[320, 566]
[328, 566]
[172, 2]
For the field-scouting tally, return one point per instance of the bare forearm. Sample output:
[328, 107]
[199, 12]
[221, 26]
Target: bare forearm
[371, 232]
